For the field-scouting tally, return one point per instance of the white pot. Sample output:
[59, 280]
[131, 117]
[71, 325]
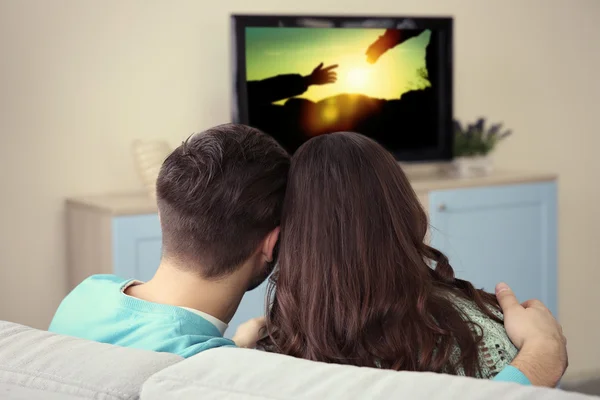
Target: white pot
[469, 167]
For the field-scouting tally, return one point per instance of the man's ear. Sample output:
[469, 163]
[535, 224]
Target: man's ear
[269, 244]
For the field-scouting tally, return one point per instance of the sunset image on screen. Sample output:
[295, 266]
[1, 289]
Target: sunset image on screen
[278, 51]
[303, 82]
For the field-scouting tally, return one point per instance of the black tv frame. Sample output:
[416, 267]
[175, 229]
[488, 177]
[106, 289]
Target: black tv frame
[443, 25]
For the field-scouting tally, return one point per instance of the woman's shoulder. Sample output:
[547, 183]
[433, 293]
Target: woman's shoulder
[492, 329]
[471, 309]
[496, 349]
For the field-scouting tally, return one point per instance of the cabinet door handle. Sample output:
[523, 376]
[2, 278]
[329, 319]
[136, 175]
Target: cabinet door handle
[442, 207]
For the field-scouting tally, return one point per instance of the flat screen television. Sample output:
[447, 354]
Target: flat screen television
[389, 78]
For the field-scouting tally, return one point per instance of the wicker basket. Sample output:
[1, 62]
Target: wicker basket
[148, 157]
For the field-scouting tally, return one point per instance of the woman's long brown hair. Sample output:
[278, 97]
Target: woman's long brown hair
[356, 283]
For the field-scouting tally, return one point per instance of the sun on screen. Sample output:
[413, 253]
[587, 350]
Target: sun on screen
[358, 79]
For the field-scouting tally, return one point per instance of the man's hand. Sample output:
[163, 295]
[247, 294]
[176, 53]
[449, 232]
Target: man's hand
[538, 336]
[250, 332]
[322, 76]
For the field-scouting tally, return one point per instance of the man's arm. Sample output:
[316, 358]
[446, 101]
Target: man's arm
[542, 358]
[534, 367]
[544, 365]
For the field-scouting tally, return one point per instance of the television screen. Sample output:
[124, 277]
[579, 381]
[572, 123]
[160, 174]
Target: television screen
[388, 84]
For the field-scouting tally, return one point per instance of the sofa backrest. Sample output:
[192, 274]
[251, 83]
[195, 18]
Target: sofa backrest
[230, 373]
[37, 361]
[37, 364]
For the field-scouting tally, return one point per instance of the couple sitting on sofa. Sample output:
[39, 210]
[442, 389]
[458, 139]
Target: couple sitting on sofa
[355, 282]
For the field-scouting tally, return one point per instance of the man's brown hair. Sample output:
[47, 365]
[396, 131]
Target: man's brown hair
[219, 194]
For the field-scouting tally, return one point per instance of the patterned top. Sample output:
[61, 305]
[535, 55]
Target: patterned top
[496, 349]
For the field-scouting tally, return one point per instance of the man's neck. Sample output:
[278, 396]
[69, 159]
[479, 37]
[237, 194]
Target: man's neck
[174, 286]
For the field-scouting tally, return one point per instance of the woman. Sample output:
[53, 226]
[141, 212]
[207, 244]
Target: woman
[356, 282]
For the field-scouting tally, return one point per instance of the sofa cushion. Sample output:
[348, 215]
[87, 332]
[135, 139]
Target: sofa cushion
[17, 392]
[39, 360]
[229, 373]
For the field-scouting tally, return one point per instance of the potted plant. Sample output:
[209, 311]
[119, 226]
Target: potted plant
[473, 145]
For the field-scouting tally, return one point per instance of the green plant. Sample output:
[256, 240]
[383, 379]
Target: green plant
[476, 139]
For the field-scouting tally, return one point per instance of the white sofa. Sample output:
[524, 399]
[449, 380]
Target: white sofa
[40, 365]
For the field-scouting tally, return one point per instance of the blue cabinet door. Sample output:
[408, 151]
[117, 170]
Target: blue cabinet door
[137, 242]
[500, 233]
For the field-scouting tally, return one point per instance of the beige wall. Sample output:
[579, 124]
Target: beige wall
[80, 79]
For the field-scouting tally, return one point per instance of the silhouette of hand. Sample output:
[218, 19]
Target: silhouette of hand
[322, 76]
[390, 39]
[387, 41]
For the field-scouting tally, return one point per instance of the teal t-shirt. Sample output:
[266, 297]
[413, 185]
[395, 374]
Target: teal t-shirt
[512, 374]
[97, 309]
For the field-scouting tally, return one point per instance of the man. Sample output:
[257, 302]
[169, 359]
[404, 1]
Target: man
[219, 198]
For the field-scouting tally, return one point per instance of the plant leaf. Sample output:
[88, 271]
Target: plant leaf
[480, 124]
[506, 134]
